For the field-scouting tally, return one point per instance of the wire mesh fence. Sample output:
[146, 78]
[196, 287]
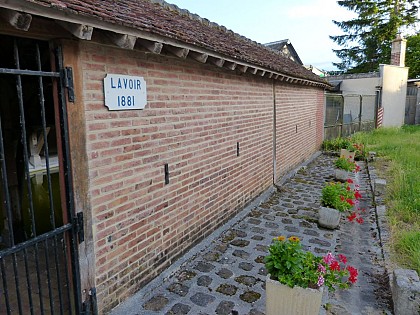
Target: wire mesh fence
[347, 114]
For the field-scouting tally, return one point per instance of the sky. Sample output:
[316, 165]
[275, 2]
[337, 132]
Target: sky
[306, 23]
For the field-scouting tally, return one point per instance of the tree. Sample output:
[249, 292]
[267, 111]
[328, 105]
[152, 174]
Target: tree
[412, 56]
[368, 37]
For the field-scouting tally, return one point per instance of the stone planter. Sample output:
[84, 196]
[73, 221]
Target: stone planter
[281, 299]
[329, 218]
[344, 153]
[342, 175]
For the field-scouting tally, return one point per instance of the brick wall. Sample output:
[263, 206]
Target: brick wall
[194, 118]
[299, 125]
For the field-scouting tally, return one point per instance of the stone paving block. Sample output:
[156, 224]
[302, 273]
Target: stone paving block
[406, 292]
[228, 274]
[379, 186]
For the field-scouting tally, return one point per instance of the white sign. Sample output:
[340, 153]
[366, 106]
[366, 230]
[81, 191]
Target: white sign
[124, 92]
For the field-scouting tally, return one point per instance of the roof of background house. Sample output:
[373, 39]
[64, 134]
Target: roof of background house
[281, 45]
[168, 21]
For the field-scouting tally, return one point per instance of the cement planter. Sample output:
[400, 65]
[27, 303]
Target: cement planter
[281, 299]
[329, 218]
[348, 155]
[342, 175]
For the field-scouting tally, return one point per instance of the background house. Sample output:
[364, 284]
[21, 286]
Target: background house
[385, 91]
[137, 184]
[286, 48]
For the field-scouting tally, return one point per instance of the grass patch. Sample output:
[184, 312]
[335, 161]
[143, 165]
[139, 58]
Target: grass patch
[399, 152]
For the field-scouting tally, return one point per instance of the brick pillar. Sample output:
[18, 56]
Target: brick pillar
[398, 51]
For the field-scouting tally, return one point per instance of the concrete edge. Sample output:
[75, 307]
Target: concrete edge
[130, 305]
[383, 230]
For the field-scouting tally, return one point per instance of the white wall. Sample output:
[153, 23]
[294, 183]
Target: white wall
[360, 86]
[394, 91]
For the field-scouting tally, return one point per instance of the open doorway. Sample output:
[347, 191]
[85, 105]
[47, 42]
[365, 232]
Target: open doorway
[38, 252]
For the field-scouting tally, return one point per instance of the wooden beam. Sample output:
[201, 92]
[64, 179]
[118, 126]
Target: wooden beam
[81, 31]
[261, 72]
[20, 21]
[253, 70]
[122, 40]
[230, 65]
[177, 51]
[242, 68]
[216, 61]
[270, 75]
[151, 46]
[200, 57]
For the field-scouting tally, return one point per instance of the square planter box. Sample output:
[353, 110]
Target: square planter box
[282, 300]
[329, 218]
[344, 153]
[342, 175]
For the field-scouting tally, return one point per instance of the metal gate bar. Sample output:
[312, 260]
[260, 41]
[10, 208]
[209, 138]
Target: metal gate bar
[35, 272]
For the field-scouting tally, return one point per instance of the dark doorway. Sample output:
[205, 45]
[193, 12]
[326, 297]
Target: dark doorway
[38, 251]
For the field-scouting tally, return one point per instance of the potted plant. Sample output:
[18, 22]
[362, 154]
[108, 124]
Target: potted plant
[296, 277]
[336, 198]
[347, 154]
[359, 151]
[344, 168]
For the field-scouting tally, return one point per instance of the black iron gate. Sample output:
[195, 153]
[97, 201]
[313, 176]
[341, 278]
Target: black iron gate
[39, 231]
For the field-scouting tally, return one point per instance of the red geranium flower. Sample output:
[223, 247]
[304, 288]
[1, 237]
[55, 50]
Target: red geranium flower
[335, 266]
[359, 220]
[357, 194]
[350, 202]
[350, 181]
[342, 258]
[352, 217]
[353, 274]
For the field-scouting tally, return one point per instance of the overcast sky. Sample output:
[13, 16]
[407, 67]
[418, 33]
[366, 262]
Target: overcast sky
[306, 23]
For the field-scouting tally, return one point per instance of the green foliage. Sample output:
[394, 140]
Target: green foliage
[368, 37]
[338, 196]
[336, 144]
[399, 149]
[289, 264]
[345, 164]
[407, 248]
[412, 57]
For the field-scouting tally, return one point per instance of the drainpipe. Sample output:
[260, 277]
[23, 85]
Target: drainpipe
[274, 135]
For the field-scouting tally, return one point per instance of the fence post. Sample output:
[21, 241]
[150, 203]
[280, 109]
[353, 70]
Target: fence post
[342, 116]
[360, 112]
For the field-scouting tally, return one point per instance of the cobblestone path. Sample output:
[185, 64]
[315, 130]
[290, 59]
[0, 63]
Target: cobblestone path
[229, 274]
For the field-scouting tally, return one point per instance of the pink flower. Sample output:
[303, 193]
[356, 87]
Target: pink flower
[342, 258]
[320, 281]
[321, 268]
[329, 258]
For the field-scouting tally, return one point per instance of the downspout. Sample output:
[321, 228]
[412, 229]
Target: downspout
[274, 135]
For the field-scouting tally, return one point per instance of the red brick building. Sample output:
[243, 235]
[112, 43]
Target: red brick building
[225, 117]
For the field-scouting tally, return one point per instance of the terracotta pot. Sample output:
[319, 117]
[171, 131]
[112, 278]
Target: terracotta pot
[281, 299]
[329, 218]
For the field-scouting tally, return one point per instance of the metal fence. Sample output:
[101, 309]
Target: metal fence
[347, 114]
